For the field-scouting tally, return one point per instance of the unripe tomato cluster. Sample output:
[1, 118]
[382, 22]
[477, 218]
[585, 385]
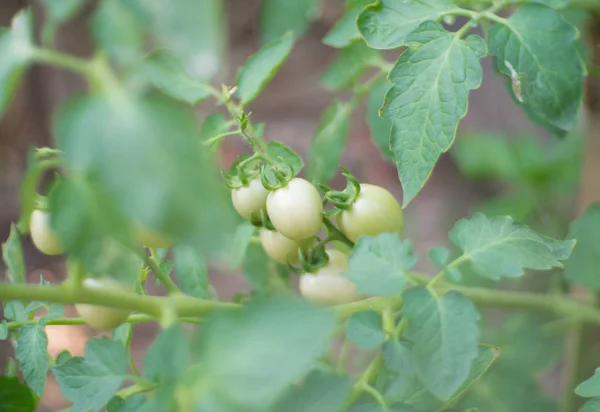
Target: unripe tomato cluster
[47, 241]
[296, 212]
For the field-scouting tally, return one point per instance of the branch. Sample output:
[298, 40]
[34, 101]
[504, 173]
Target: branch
[151, 305]
[558, 305]
[163, 277]
[136, 318]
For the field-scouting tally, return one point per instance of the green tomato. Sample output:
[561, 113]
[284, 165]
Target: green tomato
[43, 236]
[151, 239]
[249, 200]
[327, 286]
[374, 211]
[296, 210]
[280, 248]
[101, 317]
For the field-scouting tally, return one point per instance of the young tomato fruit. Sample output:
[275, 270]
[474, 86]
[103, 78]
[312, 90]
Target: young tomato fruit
[43, 236]
[327, 286]
[101, 317]
[249, 200]
[280, 248]
[296, 210]
[374, 211]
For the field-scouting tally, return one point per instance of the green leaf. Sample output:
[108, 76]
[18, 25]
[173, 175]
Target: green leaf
[15, 397]
[213, 125]
[387, 24]
[285, 154]
[122, 333]
[499, 247]
[380, 128]
[487, 356]
[168, 356]
[171, 77]
[444, 333]
[32, 354]
[3, 330]
[256, 267]
[139, 172]
[62, 10]
[279, 16]
[432, 80]
[345, 30]
[118, 30]
[131, 404]
[320, 392]
[281, 340]
[192, 272]
[12, 254]
[365, 329]
[350, 64]
[15, 310]
[485, 156]
[592, 405]
[238, 244]
[439, 256]
[403, 386]
[580, 267]
[90, 382]
[262, 67]
[543, 65]
[62, 357]
[190, 29]
[328, 142]
[379, 263]
[16, 49]
[591, 387]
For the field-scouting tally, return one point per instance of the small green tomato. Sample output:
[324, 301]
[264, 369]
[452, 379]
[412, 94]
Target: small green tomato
[43, 236]
[296, 210]
[101, 317]
[280, 248]
[374, 211]
[249, 200]
[327, 286]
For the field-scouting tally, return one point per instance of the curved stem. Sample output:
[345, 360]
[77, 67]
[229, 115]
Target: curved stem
[363, 382]
[71, 63]
[163, 277]
[140, 387]
[333, 233]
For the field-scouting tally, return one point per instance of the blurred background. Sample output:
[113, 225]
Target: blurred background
[501, 163]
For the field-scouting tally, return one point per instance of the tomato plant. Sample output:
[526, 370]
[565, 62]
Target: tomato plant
[339, 314]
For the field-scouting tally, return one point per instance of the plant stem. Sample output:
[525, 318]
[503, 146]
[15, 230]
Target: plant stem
[333, 233]
[363, 382]
[163, 277]
[72, 63]
[578, 349]
[136, 318]
[221, 136]
[452, 265]
[150, 305]
[140, 387]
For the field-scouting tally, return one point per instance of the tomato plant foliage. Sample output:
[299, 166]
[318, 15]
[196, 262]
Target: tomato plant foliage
[136, 195]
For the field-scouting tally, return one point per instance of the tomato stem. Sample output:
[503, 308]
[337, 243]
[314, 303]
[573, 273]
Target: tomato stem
[164, 278]
[333, 233]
